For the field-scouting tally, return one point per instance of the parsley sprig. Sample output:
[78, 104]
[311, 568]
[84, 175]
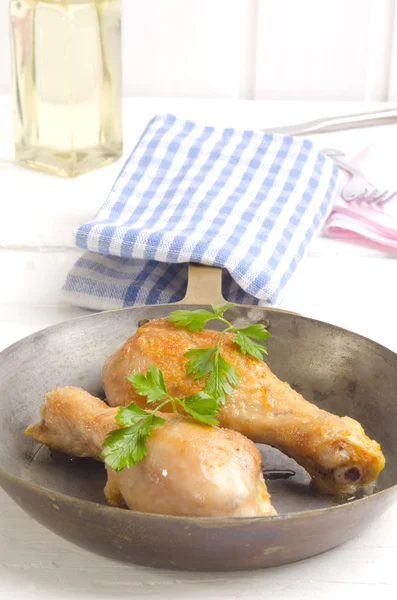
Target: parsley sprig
[222, 377]
[126, 446]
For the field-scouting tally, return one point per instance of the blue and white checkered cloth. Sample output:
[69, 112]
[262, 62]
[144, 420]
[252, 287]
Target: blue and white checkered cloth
[247, 201]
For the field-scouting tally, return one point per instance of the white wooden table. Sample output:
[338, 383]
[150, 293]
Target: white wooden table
[347, 285]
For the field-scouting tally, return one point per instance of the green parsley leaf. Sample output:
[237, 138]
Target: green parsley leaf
[193, 320]
[200, 363]
[223, 376]
[202, 407]
[222, 379]
[257, 331]
[248, 346]
[219, 309]
[150, 385]
[131, 414]
[127, 446]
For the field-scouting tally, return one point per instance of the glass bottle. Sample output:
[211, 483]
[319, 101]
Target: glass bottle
[66, 57]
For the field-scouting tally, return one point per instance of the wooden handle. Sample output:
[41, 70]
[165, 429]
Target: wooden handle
[204, 285]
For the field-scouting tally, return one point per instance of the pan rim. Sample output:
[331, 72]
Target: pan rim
[98, 506]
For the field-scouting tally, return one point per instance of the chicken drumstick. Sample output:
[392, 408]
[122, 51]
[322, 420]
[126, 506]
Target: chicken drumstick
[334, 450]
[190, 468]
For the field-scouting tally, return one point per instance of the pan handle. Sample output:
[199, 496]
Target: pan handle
[204, 285]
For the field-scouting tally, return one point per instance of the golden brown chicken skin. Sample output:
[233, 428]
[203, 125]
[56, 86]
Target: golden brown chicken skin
[334, 450]
[190, 469]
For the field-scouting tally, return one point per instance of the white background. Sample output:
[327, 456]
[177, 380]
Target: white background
[255, 49]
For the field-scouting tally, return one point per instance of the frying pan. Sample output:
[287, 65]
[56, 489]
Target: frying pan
[338, 370]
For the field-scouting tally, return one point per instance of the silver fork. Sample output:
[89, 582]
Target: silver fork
[358, 188]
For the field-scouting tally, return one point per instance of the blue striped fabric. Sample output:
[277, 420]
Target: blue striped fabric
[247, 201]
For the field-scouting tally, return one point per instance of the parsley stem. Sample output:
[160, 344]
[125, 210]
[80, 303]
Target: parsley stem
[168, 399]
[160, 406]
[230, 326]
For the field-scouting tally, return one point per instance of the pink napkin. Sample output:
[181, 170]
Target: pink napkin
[375, 225]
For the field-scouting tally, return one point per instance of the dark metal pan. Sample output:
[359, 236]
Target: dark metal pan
[334, 368]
